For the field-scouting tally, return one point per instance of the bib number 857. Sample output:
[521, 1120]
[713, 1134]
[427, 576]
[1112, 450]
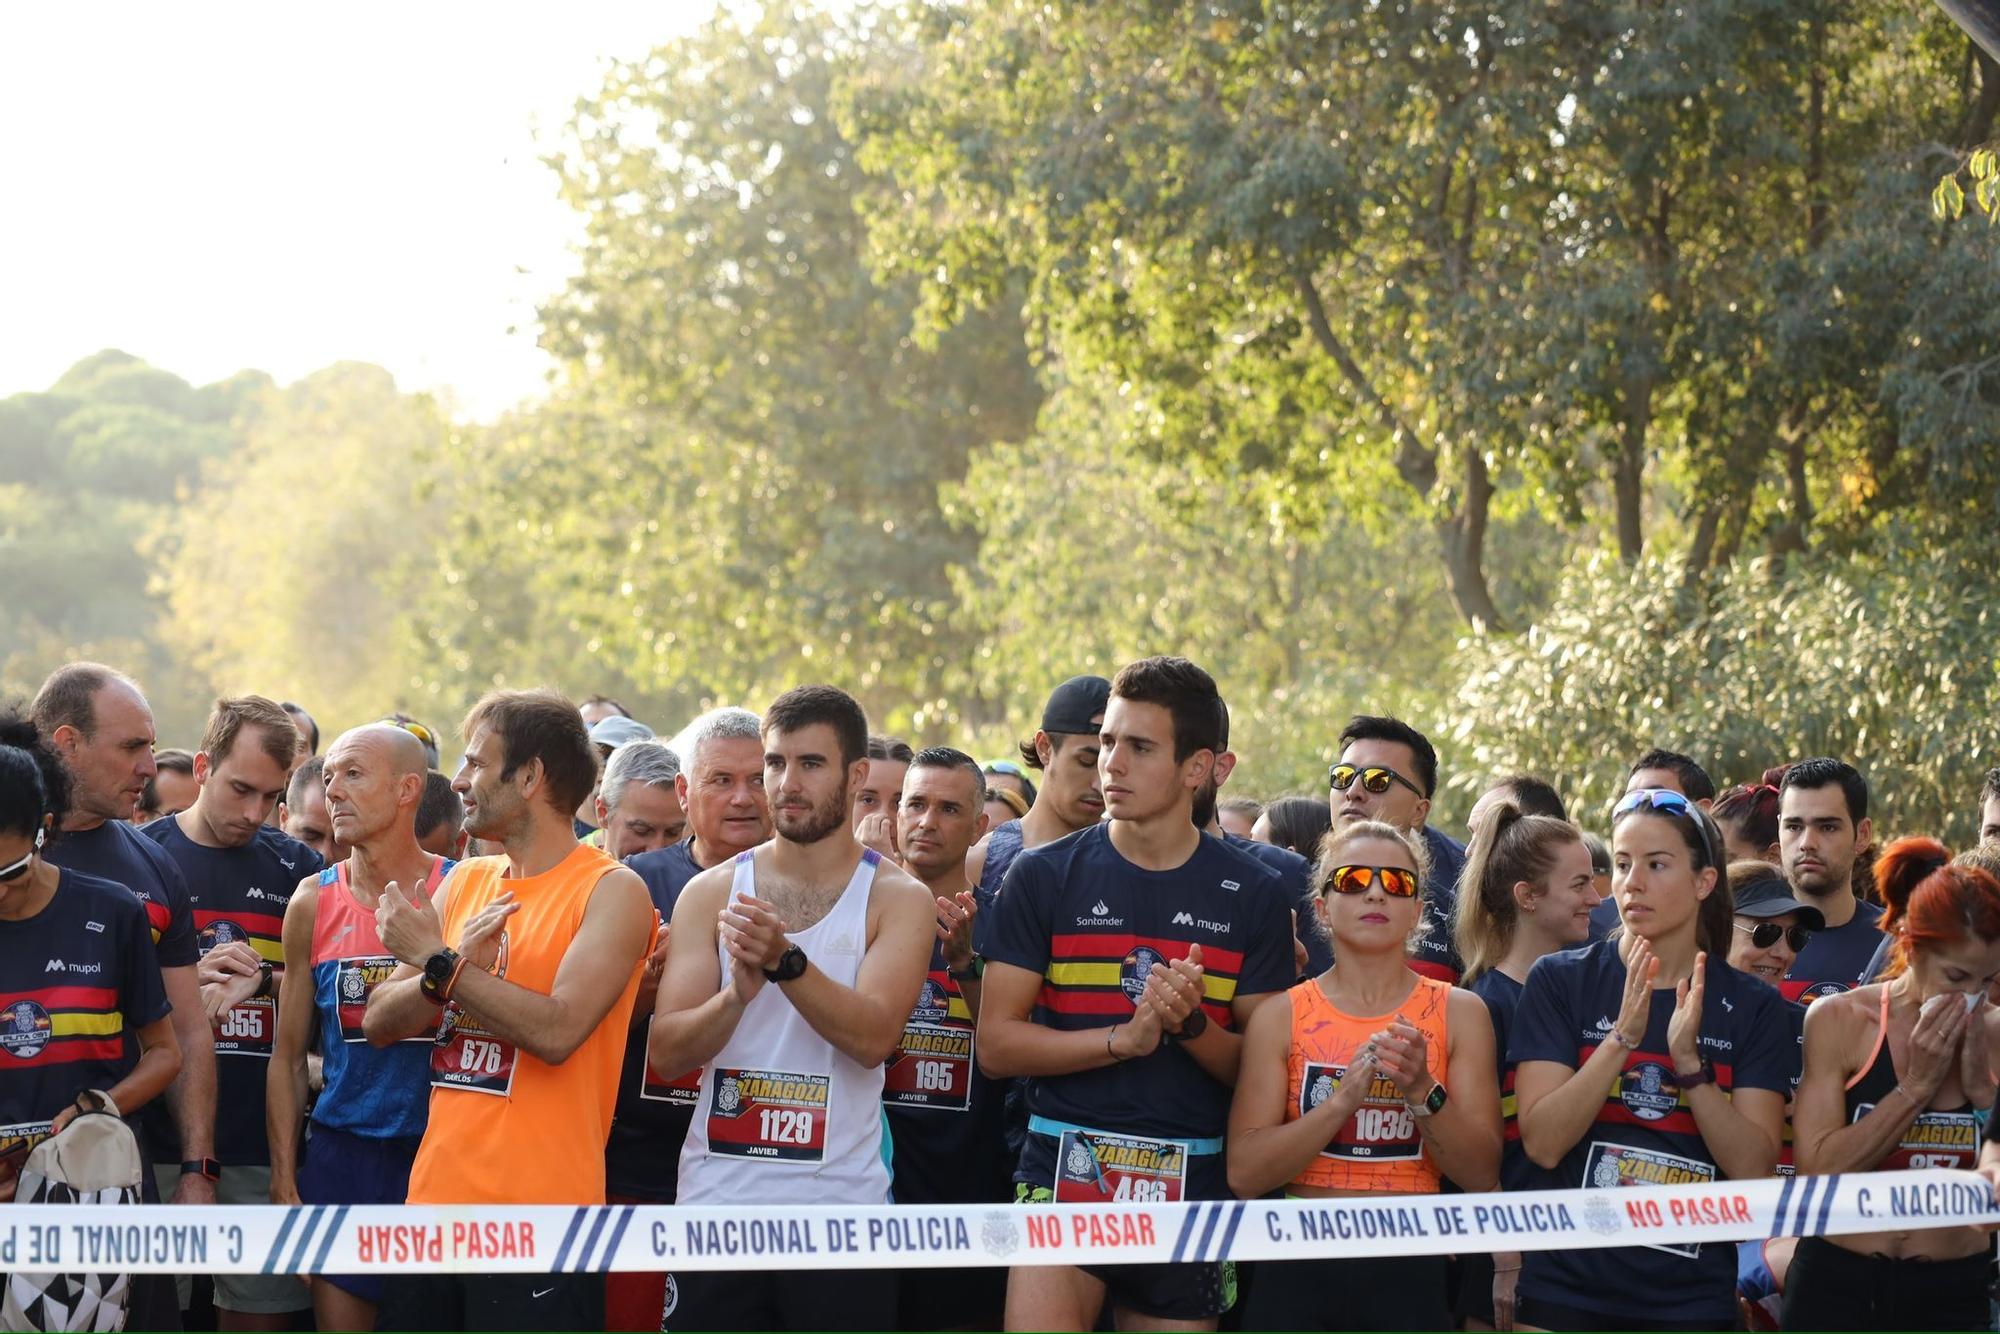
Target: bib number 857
[777, 1125]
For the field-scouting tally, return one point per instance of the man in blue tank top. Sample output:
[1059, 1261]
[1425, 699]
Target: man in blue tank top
[370, 1117]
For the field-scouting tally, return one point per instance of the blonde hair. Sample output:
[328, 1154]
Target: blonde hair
[1340, 836]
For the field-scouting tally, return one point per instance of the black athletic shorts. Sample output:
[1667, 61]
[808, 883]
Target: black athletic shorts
[1381, 1292]
[1831, 1287]
[491, 1301]
[777, 1299]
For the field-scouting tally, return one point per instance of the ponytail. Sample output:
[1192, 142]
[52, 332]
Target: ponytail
[1509, 848]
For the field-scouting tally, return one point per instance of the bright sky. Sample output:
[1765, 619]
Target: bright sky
[227, 185]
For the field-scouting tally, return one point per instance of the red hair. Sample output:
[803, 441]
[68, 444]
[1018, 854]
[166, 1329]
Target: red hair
[1931, 901]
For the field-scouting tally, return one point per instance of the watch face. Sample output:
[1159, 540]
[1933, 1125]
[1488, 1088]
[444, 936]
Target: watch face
[438, 967]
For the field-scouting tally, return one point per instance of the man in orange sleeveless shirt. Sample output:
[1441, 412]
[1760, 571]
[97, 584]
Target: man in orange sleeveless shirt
[537, 995]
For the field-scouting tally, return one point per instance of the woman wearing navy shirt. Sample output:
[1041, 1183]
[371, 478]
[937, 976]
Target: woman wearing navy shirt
[1696, 1057]
[1527, 891]
[77, 970]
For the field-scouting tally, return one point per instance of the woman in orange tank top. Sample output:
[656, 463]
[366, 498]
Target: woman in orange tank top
[1369, 1079]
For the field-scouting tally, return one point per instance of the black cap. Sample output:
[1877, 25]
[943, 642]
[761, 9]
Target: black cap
[1768, 896]
[1076, 707]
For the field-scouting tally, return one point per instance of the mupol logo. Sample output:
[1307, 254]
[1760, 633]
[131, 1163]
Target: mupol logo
[1183, 919]
[58, 966]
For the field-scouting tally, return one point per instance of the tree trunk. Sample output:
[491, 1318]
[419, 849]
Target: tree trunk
[1462, 535]
[1628, 470]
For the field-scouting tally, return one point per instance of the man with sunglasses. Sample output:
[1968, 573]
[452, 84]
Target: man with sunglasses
[1388, 772]
[1122, 964]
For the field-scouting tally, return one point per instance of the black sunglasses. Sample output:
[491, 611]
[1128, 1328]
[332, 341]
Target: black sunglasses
[1375, 778]
[1766, 934]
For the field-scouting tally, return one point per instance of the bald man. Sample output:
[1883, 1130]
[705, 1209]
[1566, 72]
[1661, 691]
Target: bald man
[371, 1115]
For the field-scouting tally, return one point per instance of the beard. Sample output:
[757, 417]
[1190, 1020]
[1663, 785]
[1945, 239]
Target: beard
[1204, 805]
[812, 826]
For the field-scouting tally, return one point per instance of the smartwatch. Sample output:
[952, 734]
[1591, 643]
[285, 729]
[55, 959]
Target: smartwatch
[1433, 1102]
[791, 966]
[1192, 1027]
[972, 972]
[202, 1167]
[264, 971]
[438, 971]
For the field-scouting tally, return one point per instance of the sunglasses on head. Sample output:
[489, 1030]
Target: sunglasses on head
[1766, 934]
[1398, 882]
[1669, 802]
[1374, 778]
[9, 874]
[417, 730]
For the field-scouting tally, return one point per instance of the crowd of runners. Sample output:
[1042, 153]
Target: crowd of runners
[775, 958]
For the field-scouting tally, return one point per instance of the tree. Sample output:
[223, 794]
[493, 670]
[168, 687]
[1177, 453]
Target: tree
[738, 484]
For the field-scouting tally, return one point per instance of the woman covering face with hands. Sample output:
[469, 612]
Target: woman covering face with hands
[1368, 1079]
[1646, 1060]
[1899, 1075]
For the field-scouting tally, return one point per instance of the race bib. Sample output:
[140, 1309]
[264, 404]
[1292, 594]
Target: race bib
[682, 1092]
[1096, 1168]
[769, 1115]
[354, 980]
[1934, 1139]
[467, 1056]
[932, 1068]
[1383, 1129]
[17, 1140]
[247, 1029]
[1609, 1166]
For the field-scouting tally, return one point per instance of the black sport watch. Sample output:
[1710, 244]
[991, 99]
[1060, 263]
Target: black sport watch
[438, 970]
[1192, 1027]
[791, 966]
[202, 1167]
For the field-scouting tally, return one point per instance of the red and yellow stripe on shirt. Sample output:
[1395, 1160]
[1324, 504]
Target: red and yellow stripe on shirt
[1644, 1093]
[1086, 974]
[264, 930]
[56, 1025]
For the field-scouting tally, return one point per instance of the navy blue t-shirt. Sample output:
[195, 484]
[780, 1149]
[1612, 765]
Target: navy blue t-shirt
[642, 1158]
[118, 852]
[75, 980]
[1295, 876]
[1837, 958]
[1502, 995]
[1003, 845]
[1435, 955]
[1645, 1133]
[1092, 925]
[946, 1118]
[240, 894]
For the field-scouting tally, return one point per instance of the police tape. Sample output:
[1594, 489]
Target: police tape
[542, 1239]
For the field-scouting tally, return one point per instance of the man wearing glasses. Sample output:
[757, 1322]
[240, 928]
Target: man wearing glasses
[1388, 772]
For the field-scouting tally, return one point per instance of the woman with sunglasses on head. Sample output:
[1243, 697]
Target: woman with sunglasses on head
[1369, 1079]
[77, 968]
[1527, 891]
[1899, 1075]
[1645, 1059]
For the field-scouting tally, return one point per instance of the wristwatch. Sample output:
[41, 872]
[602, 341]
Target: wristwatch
[972, 971]
[202, 1167]
[1433, 1102]
[1705, 1075]
[1192, 1027]
[264, 971]
[438, 970]
[791, 966]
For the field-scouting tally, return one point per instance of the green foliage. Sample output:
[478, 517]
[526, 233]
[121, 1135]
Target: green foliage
[1887, 660]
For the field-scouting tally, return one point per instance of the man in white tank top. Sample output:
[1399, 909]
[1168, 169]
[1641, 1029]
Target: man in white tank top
[793, 970]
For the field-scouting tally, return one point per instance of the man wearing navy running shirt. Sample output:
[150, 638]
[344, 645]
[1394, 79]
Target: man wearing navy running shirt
[1823, 827]
[240, 874]
[1123, 962]
[1388, 771]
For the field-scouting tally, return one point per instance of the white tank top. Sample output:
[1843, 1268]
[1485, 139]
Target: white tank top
[783, 1116]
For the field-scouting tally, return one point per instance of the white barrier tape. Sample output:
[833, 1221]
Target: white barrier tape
[542, 1239]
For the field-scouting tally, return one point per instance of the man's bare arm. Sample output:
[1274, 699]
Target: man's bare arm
[696, 1009]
